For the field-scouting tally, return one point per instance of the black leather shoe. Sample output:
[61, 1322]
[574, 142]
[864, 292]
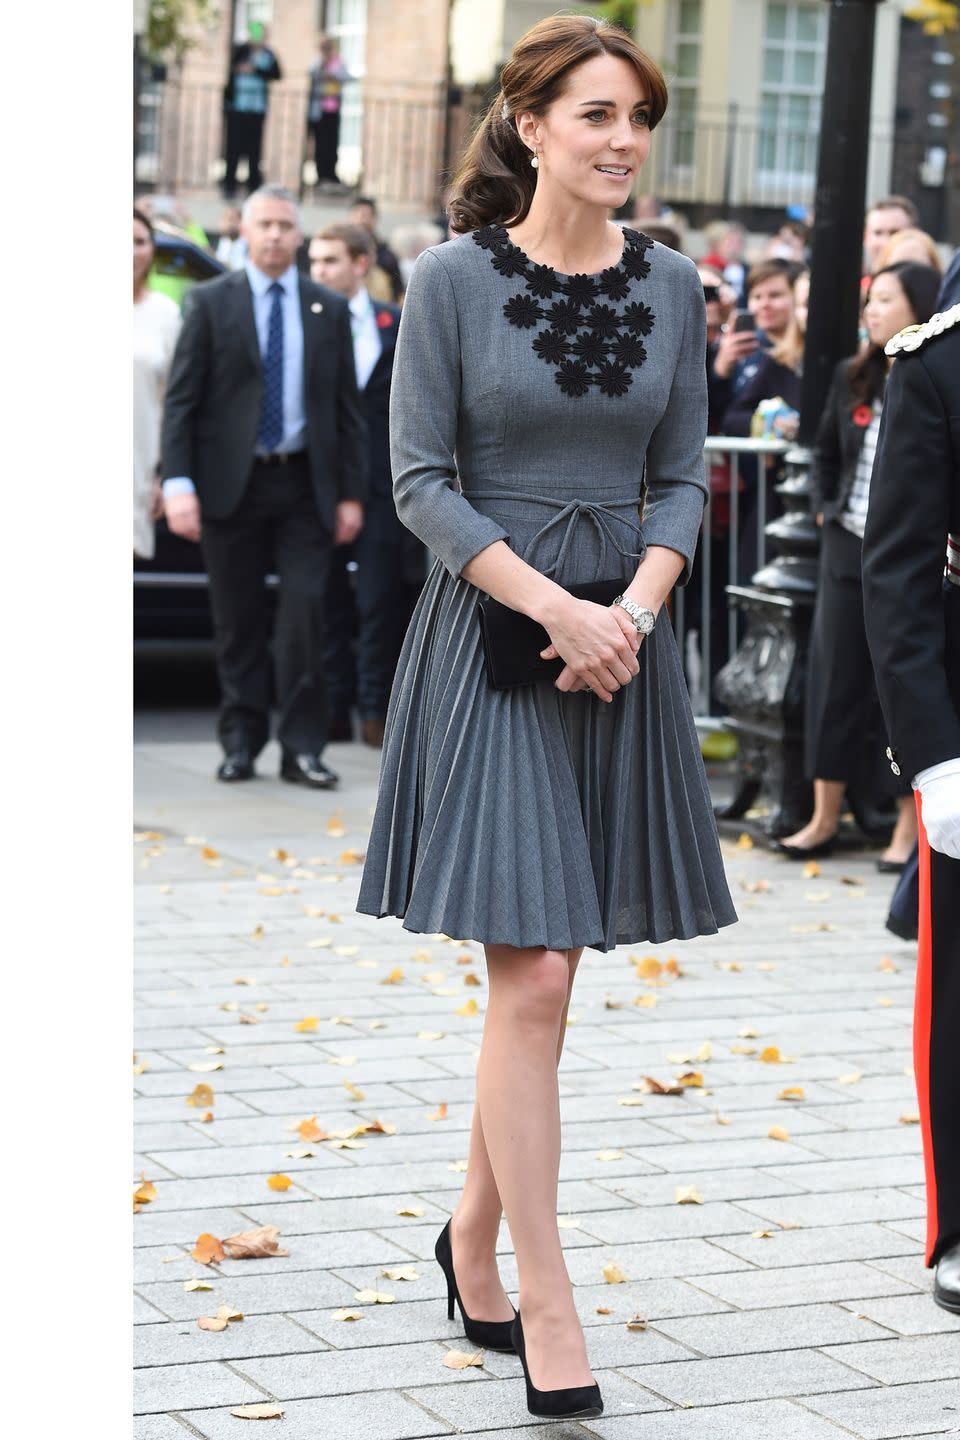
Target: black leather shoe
[491, 1334]
[891, 867]
[946, 1280]
[806, 852]
[308, 770]
[236, 765]
[581, 1401]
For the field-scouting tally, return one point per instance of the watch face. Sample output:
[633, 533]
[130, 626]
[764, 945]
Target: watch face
[646, 621]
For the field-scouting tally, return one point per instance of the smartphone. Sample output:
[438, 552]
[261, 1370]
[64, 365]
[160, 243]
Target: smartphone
[744, 321]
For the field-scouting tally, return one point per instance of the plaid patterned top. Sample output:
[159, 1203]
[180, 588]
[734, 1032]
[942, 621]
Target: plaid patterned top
[854, 514]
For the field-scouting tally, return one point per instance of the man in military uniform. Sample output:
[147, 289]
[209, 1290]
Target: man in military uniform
[912, 609]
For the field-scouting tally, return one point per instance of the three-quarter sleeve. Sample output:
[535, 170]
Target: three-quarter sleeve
[676, 479]
[424, 410]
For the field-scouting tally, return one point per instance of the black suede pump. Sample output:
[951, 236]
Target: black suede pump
[490, 1334]
[582, 1401]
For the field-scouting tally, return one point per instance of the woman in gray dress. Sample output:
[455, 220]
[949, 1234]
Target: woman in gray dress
[549, 384]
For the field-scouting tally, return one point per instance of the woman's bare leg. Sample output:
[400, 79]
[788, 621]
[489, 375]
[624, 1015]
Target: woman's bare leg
[518, 1096]
[905, 831]
[475, 1223]
[825, 820]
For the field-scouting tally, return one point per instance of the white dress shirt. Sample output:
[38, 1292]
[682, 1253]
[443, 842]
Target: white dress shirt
[367, 345]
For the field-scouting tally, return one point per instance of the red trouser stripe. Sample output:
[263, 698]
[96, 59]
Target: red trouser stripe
[921, 1031]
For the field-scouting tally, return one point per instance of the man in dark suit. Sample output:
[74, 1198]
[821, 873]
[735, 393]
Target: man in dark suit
[912, 611]
[340, 257]
[265, 462]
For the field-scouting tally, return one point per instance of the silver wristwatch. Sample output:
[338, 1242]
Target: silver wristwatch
[642, 618]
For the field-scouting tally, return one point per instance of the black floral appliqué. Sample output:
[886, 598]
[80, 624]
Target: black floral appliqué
[573, 378]
[551, 346]
[522, 311]
[589, 343]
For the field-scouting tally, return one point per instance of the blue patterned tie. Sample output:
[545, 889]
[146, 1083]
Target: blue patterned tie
[270, 432]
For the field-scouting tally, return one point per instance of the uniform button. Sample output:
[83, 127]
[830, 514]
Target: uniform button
[889, 753]
[895, 767]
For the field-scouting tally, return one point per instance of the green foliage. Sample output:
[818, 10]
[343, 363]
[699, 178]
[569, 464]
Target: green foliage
[172, 26]
[618, 12]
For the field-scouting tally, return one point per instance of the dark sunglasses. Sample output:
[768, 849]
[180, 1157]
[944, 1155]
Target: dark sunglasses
[711, 292]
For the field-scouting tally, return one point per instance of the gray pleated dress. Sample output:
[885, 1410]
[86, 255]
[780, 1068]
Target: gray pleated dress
[530, 407]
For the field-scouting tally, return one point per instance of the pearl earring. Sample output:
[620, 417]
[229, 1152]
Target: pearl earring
[535, 160]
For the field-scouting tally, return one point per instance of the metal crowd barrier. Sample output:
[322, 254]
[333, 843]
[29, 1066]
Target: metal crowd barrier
[726, 555]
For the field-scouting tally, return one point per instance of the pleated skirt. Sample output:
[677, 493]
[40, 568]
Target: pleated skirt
[529, 817]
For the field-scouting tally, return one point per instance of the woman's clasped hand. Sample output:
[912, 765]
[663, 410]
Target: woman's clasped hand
[599, 644]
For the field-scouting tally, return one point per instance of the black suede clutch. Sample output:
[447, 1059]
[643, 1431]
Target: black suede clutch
[512, 642]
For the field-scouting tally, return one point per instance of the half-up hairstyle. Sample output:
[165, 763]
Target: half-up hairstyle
[495, 181]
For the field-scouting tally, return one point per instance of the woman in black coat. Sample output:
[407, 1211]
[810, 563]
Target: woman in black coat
[841, 694]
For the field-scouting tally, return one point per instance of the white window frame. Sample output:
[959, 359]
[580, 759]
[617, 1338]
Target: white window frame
[682, 172]
[794, 184]
[351, 36]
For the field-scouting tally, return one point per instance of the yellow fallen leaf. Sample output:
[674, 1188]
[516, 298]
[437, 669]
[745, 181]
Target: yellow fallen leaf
[692, 1080]
[207, 1250]
[341, 1059]
[279, 1182]
[637, 1323]
[459, 1359]
[609, 1155]
[431, 1034]
[401, 1272]
[440, 1113]
[647, 1001]
[205, 1067]
[743, 1049]
[885, 1000]
[793, 1092]
[206, 1119]
[351, 857]
[688, 1195]
[850, 1079]
[227, 1312]
[299, 1154]
[349, 1086]
[771, 1055]
[811, 870]
[196, 1285]
[649, 1086]
[212, 1322]
[414, 1211]
[471, 979]
[258, 1412]
[141, 1069]
[747, 1033]
[728, 965]
[568, 1222]
[311, 1131]
[145, 1191]
[603, 1310]
[761, 1234]
[629, 1100]
[347, 1315]
[888, 966]
[243, 980]
[374, 1297]
[214, 1050]
[777, 1132]
[649, 967]
[335, 828]
[721, 1119]
[458, 1165]
[745, 842]
[469, 1007]
[308, 1023]
[910, 1119]
[394, 978]
[261, 1006]
[613, 1275]
[257, 932]
[209, 853]
[319, 944]
[255, 1244]
[232, 1004]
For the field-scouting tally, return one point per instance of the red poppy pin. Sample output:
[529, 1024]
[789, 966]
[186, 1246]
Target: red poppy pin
[862, 415]
[384, 319]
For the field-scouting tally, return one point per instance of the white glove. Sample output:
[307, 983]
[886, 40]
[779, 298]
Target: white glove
[939, 787]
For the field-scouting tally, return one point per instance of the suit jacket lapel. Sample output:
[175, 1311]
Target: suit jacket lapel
[243, 314]
[388, 337]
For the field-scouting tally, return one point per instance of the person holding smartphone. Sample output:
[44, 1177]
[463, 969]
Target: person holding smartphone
[770, 309]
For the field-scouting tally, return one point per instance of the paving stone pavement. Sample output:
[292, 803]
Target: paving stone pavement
[792, 1301]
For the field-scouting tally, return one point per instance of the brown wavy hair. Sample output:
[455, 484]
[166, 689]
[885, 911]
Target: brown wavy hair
[495, 181]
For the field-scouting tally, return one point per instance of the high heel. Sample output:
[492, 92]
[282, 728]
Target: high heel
[581, 1401]
[490, 1334]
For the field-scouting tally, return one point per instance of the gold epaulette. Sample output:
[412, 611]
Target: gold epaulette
[907, 341]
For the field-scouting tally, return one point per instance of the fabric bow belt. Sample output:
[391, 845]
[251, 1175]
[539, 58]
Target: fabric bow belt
[603, 517]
